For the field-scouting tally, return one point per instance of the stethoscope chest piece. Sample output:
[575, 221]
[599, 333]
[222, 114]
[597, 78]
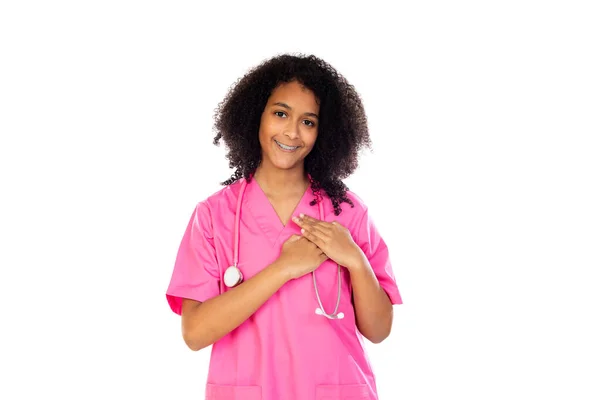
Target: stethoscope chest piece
[233, 276]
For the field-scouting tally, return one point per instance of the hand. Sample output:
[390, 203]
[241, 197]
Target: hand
[333, 238]
[299, 256]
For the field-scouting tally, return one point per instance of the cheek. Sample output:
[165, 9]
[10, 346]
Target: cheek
[262, 135]
[310, 140]
[268, 128]
[263, 132]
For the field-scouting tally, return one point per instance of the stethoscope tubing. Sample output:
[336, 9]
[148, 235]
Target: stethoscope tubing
[236, 237]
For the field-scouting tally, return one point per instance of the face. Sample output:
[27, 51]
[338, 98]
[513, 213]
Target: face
[288, 126]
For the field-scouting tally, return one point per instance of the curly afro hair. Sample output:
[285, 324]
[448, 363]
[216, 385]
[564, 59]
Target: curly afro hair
[342, 133]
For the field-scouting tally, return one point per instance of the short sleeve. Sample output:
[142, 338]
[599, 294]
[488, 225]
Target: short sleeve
[195, 274]
[376, 250]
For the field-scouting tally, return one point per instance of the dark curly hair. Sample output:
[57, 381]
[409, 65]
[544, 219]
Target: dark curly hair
[342, 128]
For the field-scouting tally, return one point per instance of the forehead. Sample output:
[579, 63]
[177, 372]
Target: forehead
[295, 95]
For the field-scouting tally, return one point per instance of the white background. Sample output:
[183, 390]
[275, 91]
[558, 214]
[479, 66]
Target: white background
[484, 181]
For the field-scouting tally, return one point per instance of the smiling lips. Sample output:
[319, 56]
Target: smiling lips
[286, 148]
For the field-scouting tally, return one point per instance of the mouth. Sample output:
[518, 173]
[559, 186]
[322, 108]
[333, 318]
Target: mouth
[286, 148]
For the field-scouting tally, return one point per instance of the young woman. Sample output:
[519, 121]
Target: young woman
[283, 271]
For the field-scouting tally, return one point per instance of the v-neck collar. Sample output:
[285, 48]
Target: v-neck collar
[258, 204]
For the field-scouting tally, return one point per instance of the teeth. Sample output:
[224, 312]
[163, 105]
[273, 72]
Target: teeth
[283, 146]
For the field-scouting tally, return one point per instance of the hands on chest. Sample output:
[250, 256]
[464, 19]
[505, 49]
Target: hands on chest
[320, 240]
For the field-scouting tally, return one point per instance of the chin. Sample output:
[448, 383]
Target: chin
[286, 164]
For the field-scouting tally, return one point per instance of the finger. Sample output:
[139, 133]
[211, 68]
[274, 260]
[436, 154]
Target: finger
[314, 237]
[293, 238]
[315, 229]
[337, 225]
[325, 236]
[314, 223]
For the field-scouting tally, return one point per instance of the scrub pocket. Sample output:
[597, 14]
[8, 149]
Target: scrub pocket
[228, 392]
[344, 392]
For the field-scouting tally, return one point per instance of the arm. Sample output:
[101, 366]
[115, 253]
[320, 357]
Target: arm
[373, 308]
[205, 323]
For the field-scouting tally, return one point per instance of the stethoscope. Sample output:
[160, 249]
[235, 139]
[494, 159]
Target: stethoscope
[233, 276]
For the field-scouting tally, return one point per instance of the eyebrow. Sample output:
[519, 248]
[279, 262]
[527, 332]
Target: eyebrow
[289, 108]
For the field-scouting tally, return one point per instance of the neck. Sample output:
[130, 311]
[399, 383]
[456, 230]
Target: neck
[281, 181]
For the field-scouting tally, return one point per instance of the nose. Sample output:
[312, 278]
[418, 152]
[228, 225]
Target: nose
[291, 130]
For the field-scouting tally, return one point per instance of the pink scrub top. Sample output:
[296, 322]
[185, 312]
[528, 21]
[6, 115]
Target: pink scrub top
[284, 350]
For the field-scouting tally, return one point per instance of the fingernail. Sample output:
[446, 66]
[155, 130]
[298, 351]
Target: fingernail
[302, 230]
[301, 215]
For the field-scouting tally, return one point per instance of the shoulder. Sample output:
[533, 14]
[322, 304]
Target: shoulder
[359, 205]
[360, 223]
[352, 214]
[221, 196]
[218, 201]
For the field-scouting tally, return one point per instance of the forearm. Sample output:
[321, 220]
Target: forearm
[373, 308]
[218, 316]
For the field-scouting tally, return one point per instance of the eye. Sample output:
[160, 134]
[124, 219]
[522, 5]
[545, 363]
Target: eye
[279, 112]
[310, 123]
